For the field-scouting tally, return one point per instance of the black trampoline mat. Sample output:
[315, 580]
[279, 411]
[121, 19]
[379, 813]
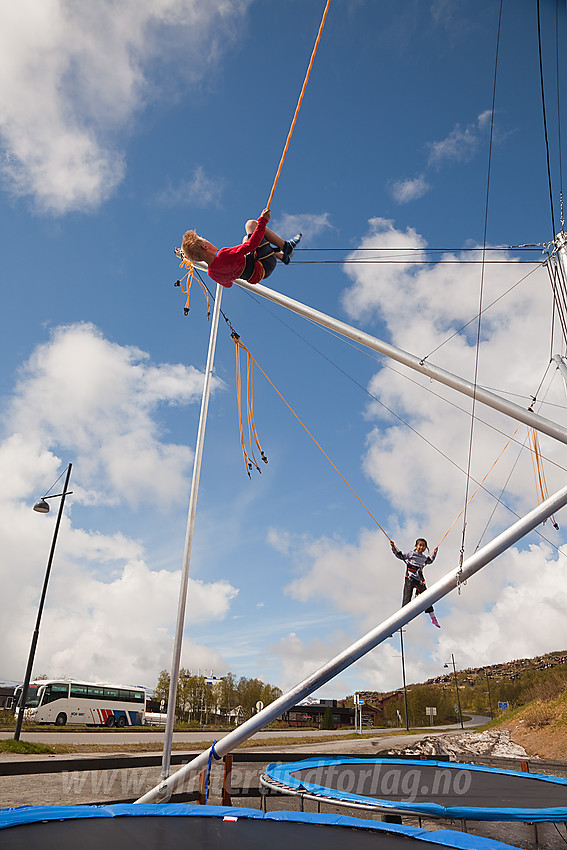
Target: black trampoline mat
[204, 833]
[450, 785]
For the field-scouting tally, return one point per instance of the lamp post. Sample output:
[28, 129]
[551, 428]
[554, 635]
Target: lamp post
[489, 696]
[404, 679]
[457, 689]
[41, 507]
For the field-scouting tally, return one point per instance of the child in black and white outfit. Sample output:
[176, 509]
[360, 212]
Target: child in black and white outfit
[415, 562]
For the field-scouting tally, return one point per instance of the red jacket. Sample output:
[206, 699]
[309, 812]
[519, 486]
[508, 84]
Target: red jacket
[229, 263]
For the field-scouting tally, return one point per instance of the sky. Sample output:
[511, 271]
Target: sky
[125, 123]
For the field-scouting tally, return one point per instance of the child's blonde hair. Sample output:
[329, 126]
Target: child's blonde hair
[192, 246]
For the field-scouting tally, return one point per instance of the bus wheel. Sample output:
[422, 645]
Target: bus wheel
[110, 720]
[121, 722]
[61, 719]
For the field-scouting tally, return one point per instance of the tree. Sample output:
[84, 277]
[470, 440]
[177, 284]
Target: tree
[161, 690]
[327, 721]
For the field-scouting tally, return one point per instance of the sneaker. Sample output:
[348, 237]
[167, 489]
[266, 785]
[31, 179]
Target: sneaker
[434, 620]
[289, 247]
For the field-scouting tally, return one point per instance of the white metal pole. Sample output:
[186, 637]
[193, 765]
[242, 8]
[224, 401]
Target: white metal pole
[426, 368]
[561, 245]
[562, 368]
[176, 659]
[385, 630]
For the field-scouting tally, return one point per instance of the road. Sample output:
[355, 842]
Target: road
[107, 736]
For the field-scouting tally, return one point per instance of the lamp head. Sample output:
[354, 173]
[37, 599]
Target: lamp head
[445, 665]
[42, 507]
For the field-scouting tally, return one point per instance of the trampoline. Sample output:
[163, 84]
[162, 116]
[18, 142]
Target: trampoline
[155, 827]
[429, 788]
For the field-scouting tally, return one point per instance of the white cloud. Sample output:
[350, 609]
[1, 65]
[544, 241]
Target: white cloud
[83, 392]
[410, 189]
[109, 614]
[309, 224]
[499, 613]
[368, 291]
[73, 76]
[280, 540]
[461, 144]
[201, 190]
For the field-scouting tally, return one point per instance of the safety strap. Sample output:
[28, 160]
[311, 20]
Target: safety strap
[248, 454]
[539, 471]
[249, 457]
[188, 278]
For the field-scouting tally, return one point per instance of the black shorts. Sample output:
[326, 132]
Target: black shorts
[263, 254]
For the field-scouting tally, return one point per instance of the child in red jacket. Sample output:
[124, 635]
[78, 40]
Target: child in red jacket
[253, 260]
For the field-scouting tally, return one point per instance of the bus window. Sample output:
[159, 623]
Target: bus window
[111, 693]
[79, 691]
[95, 693]
[56, 690]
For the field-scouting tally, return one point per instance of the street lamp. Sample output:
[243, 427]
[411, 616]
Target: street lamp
[489, 696]
[457, 689]
[41, 507]
[404, 678]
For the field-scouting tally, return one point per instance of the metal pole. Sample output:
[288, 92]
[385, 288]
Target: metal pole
[404, 678]
[561, 245]
[540, 423]
[457, 690]
[385, 630]
[176, 659]
[562, 368]
[489, 696]
[35, 636]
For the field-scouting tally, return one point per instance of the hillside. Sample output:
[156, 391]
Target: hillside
[493, 690]
[540, 727]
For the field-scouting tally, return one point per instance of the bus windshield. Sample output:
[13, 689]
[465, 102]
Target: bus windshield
[33, 698]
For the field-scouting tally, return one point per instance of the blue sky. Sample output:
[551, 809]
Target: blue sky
[126, 123]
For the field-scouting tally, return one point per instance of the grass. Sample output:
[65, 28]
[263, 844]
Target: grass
[25, 747]
[197, 746]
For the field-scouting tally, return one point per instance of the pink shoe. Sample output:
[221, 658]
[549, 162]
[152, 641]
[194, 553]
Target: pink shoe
[434, 620]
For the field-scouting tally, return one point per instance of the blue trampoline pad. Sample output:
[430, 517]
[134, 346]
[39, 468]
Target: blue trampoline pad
[437, 789]
[156, 827]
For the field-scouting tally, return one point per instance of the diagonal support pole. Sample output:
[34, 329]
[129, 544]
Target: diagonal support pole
[520, 414]
[162, 792]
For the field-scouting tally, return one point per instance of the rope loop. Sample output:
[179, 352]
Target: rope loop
[188, 277]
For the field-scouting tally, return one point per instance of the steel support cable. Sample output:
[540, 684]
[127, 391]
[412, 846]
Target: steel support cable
[497, 499]
[557, 78]
[484, 310]
[511, 439]
[386, 261]
[559, 290]
[297, 108]
[544, 117]
[505, 485]
[481, 293]
[534, 246]
[442, 398]
[389, 410]
[252, 428]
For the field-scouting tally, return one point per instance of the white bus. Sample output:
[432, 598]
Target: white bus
[94, 703]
